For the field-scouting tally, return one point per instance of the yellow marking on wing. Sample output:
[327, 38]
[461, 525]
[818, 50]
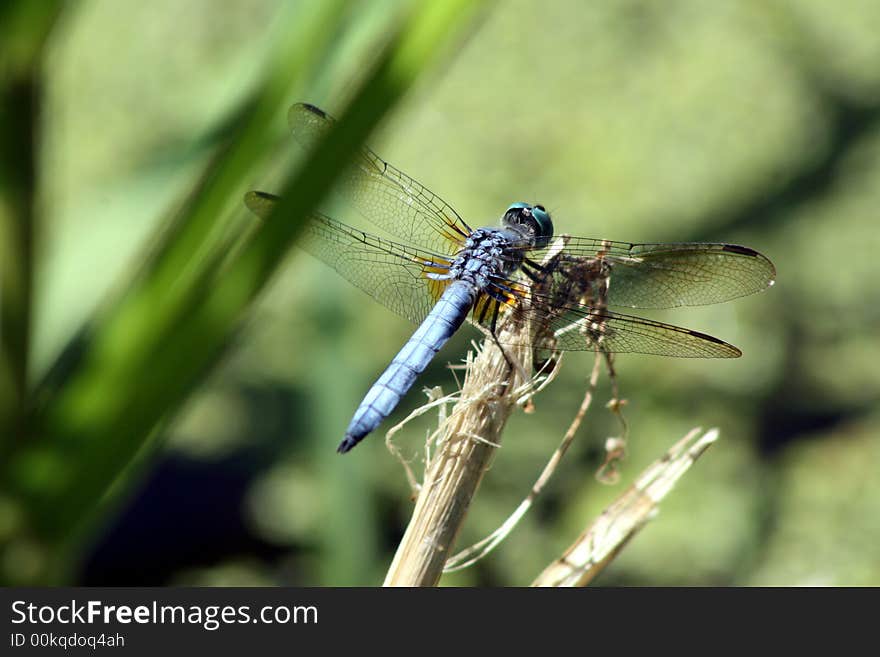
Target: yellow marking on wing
[515, 294]
[453, 236]
[437, 288]
[481, 307]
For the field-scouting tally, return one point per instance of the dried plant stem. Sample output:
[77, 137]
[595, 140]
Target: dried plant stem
[603, 539]
[477, 551]
[470, 437]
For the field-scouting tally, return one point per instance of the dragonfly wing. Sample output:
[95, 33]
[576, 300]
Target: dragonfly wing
[671, 275]
[618, 333]
[395, 275]
[581, 329]
[384, 195]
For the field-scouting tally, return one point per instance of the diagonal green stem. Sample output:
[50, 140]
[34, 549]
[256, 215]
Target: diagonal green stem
[26, 27]
[179, 314]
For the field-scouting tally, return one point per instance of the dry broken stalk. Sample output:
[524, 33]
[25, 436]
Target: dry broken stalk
[470, 437]
[482, 548]
[603, 539]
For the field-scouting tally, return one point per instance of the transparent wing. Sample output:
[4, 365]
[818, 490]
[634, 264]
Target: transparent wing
[393, 274]
[565, 297]
[670, 275]
[580, 329]
[565, 319]
[385, 196]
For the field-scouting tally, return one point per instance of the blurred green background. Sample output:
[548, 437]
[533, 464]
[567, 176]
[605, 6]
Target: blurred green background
[755, 122]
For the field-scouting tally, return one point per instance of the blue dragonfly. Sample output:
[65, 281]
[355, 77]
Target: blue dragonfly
[443, 272]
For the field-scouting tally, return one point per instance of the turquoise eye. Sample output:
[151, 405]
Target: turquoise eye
[534, 218]
[545, 224]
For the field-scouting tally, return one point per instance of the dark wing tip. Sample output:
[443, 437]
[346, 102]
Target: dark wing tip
[255, 194]
[751, 253]
[307, 121]
[256, 202]
[313, 109]
[742, 250]
[727, 351]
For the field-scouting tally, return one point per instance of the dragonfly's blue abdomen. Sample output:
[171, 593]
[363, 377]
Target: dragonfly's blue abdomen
[444, 320]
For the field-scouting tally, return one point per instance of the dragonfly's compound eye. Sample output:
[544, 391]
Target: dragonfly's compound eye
[545, 224]
[532, 219]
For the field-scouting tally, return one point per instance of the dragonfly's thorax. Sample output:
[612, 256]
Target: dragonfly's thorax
[487, 253]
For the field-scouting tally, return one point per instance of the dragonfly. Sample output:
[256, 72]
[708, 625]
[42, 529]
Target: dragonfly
[438, 272]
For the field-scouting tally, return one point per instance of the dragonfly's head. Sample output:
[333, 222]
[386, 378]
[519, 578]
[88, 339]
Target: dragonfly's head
[531, 221]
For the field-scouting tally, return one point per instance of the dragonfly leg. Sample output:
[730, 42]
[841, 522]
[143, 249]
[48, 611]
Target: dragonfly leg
[493, 305]
[493, 329]
[512, 363]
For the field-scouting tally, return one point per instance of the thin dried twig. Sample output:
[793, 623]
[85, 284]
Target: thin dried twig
[605, 537]
[436, 399]
[615, 446]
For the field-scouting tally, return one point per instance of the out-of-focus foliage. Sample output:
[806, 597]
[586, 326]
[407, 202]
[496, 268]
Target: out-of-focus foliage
[750, 122]
[76, 440]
